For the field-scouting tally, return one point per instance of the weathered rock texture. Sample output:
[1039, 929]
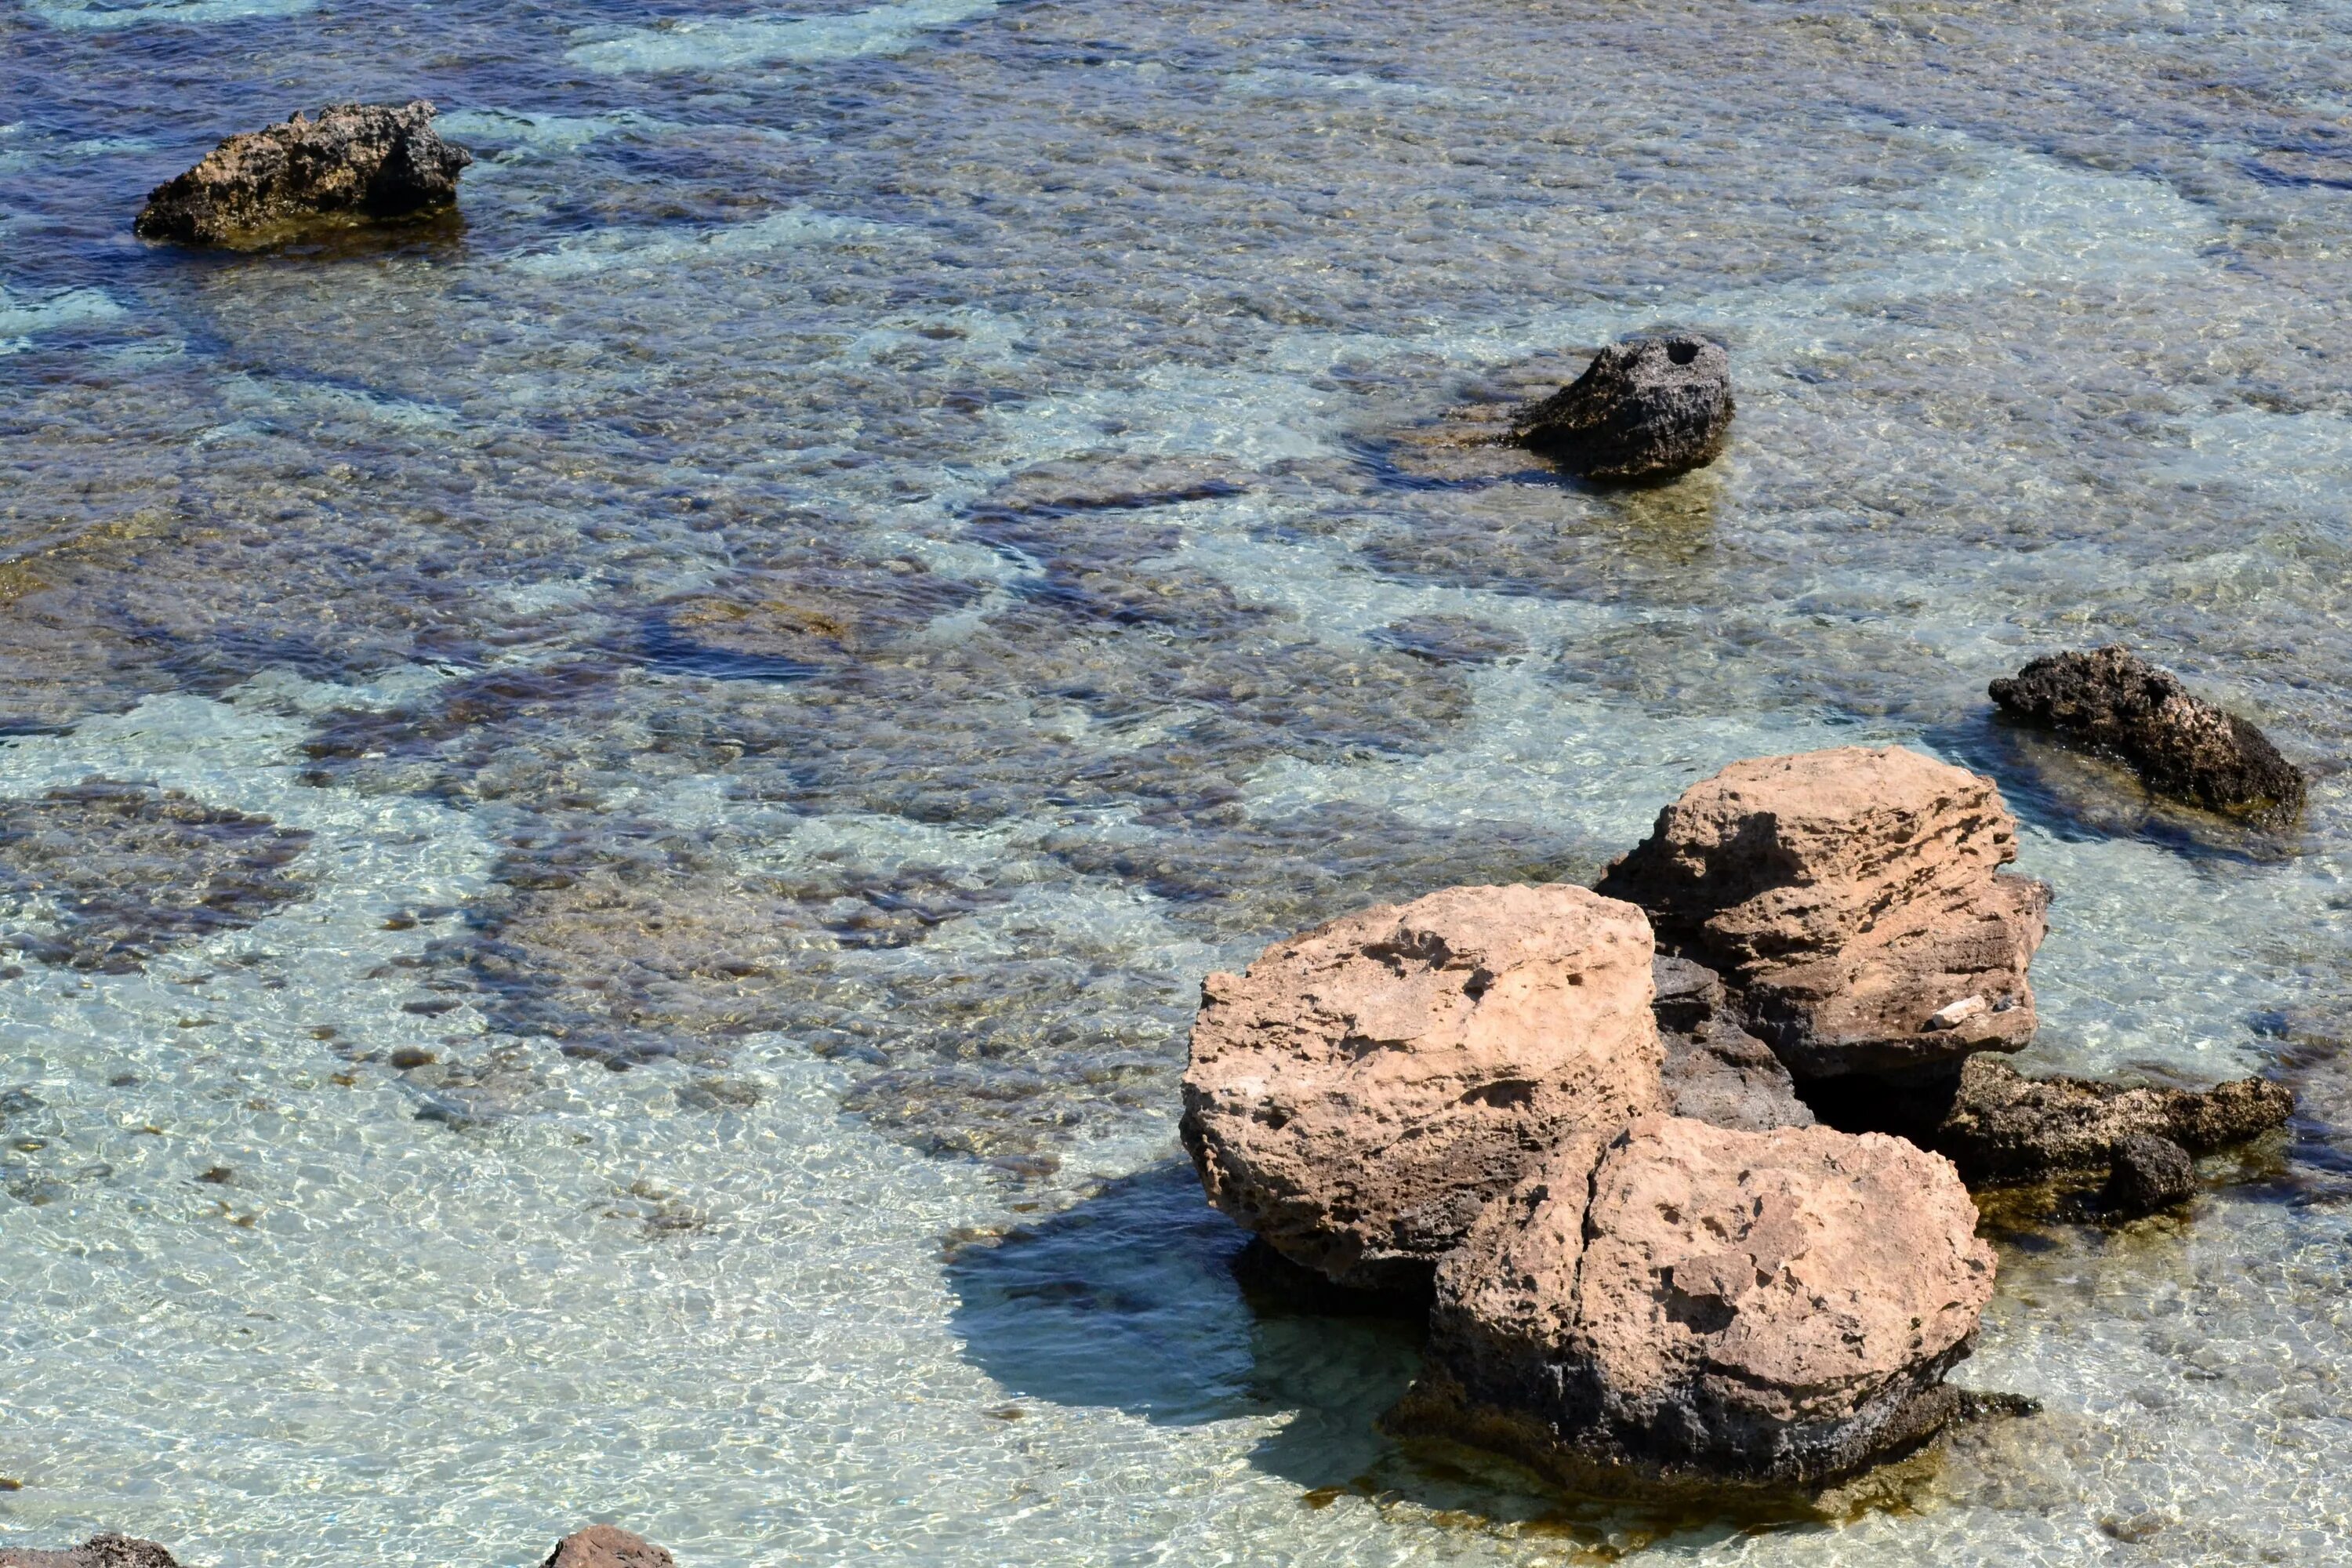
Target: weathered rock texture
[1851, 899]
[354, 162]
[2181, 745]
[2001, 1128]
[607, 1546]
[1717, 1071]
[1645, 410]
[1690, 1301]
[98, 1552]
[2148, 1174]
[1360, 1093]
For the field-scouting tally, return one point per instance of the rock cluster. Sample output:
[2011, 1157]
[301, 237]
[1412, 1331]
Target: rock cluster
[1694, 1203]
[1771, 1306]
[2115, 703]
[1852, 899]
[354, 162]
[98, 1552]
[1642, 411]
[1363, 1089]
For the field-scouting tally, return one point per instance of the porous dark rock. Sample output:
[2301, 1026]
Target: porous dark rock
[2118, 704]
[1684, 1301]
[355, 161]
[1642, 411]
[1359, 1095]
[607, 1546]
[1851, 899]
[2148, 1174]
[98, 1552]
[2002, 1128]
[1717, 1071]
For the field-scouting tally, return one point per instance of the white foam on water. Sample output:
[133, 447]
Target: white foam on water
[104, 15]
[711, 44]
[514, 134]
[1277, 82]
[653, 249]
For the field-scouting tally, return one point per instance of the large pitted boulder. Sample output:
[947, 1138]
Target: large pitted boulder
[1643, 410]
[353, 161]
[1851, 899]
[2116, 702]
[1364, 1088]
[98, 1552]
[1694, 1301]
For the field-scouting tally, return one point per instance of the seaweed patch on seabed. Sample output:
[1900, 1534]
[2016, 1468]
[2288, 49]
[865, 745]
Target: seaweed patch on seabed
[105, 875]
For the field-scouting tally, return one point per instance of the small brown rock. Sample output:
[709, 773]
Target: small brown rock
[353, 161]
[1359, 1094]
[1851, 899]
[2148, 1174]
[1642, 411]
[2114, 701]
[607, 1546]
[98, 1552]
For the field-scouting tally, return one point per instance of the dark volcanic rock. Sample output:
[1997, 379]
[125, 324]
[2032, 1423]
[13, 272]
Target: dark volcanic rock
[607, 1546]
[2002, 1128]
[98, 1552]
[2148, 1174]
[354, 162]
[1717, 1071]
[2181, 745]
[1648, 409]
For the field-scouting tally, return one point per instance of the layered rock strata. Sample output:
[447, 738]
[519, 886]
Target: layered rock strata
[1692, 1301]
[1642, 411]
[354, 162]
[1852, 900]
[2113, 701]
[1359, 1093]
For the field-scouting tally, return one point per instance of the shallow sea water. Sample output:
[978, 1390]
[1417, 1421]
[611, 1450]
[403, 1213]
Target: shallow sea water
[765, 661]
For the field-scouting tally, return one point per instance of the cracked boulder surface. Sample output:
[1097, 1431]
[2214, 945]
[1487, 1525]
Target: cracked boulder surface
[105, 875]
[1684, 1302]
[1360, 1092]
[2115, 702]
[1852, 901]
[354, 162]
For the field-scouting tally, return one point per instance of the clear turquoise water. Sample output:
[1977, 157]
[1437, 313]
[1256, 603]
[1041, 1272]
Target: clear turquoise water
[891, 540]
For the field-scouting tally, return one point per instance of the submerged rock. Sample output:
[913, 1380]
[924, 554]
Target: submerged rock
[1851, 899]
[355, 160]
[2148, 1174]
[1717, 1071]
[2181, 745]
[607, 1546]
[2003, 1129]
[1364, 1088]
[1648, 409]
[1689, 1301]
[98, 1552]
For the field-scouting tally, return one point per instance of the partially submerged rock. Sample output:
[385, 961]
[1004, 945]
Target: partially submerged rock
[2148, 1174]
[354, 162]
[1364, 1088]
[1717, 1071]
[98, 1552]
[1852, 900]
[1690, 1302]
[2181, 745]
[2004, 1128]
[607, 1546]
[1643, 410]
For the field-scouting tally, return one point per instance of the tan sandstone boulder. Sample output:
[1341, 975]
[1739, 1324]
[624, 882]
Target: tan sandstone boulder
[1852, 900]
[1360, 1093]
[1691, 1300]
